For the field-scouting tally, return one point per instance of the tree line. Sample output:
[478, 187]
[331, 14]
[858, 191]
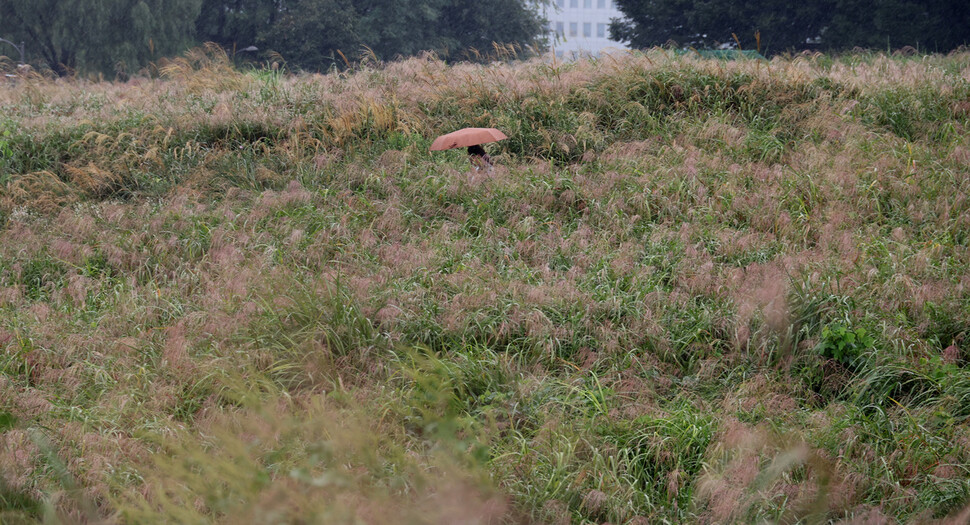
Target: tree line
[777, 26]
[122, 36]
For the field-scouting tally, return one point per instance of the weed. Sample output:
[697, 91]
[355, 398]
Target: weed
[844, 344]
[690, 291]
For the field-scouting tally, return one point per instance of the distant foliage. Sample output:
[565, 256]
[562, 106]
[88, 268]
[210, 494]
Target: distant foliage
[119, 37]
[236, 24]
[312, 34]
[111, 36]
[934, 25]
[448, 27]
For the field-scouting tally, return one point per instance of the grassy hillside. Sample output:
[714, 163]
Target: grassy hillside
[690, 291]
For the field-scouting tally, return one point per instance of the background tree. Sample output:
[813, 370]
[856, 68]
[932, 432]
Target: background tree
[122, 36]
[935, 25]
[310, 32]
[103, 35]
[399, 27]
[476, 25]
[236, 24]
[707, 24]
[407, 27]
[45, 27]
[402, 27]
[141, 31]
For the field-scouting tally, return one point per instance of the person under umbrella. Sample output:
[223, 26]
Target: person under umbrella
[479, 159]
[471, 138]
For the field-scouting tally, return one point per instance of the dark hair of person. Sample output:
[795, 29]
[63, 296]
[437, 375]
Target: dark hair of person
[477, 149]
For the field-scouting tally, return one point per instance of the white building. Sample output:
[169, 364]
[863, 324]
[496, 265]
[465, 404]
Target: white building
[582, 27]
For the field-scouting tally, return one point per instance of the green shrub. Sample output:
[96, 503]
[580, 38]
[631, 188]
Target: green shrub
[844, 343]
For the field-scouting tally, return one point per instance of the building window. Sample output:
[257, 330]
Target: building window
[588, 4]
[587, 29]
[573, 3]
[601, 30]
[560, 29]
[573, 29]
[562, 3]
[601, 4]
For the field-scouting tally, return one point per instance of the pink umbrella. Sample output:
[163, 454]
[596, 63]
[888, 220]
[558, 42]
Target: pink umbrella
[466, 137]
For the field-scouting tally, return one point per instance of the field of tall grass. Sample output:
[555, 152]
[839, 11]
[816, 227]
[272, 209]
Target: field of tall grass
[691, 291]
